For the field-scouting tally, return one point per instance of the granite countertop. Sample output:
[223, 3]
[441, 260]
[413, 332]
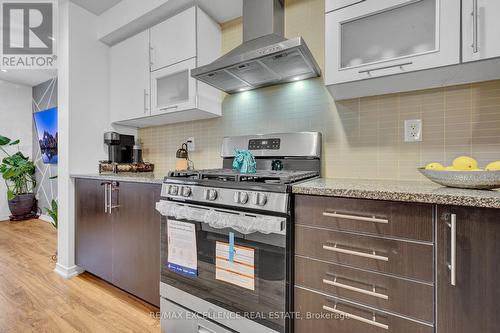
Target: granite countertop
[391, 190]
[137, 177]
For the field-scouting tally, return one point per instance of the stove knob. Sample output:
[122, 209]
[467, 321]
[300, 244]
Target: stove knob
[262, 199]
[236, 197]
[243, 197]
[186, 191]
[173, 190]
[211, 194]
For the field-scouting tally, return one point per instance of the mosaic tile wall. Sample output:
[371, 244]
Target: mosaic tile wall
[362, 138]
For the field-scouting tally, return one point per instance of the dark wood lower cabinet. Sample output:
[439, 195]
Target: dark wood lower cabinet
[121, 247]
[94, 230]
[472, 304]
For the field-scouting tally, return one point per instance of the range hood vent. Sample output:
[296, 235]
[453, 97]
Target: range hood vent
[265, 58]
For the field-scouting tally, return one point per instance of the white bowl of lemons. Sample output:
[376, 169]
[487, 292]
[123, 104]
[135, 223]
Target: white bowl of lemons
[464, 173]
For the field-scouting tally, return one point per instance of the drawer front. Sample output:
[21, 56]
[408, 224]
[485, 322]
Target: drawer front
[384, 218]
[412, 299]
[401, 258]
[332, 315]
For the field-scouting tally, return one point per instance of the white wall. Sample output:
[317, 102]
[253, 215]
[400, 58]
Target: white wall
[16, 122]
[83, 116]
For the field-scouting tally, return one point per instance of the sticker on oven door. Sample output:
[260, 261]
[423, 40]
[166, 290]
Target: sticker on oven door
[240, 270]
[182, 254]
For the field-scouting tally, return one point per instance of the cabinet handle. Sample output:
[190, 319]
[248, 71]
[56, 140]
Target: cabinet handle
[453, 248]
[357, 318]
[151, 56]
[354, 217]
[355, 253]
[475, 30]
[385, 67]
[105, 197]
[146, 95]
[113, 187]
[351, 288]
[173, 107]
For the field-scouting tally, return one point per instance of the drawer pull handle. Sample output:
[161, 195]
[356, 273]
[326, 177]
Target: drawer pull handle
[354, 217]
[358, 290]
[357, 318]
[385, 67]
[453, 248]
[355, 253]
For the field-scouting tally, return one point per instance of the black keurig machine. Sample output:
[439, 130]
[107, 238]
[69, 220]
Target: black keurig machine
[120, 147]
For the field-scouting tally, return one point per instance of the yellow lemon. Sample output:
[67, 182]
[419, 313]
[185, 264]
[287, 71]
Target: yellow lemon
[450, 168]
[478, 169]
[493, 166]
[464, 163]
[434, 166]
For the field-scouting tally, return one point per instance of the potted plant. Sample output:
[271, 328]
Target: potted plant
[18, 171]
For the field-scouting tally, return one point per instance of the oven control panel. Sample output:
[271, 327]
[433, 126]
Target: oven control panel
[260, 144]
[270, 201]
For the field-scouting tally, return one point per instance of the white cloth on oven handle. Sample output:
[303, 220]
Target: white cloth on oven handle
[219, 219]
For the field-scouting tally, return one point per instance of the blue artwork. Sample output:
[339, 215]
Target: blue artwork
[46, 126]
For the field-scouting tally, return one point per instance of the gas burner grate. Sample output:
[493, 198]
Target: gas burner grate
[261, 176]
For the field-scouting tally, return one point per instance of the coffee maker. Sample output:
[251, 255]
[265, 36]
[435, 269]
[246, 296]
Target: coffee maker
[120, 147]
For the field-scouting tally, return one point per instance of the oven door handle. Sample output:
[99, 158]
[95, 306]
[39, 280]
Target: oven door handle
[220, 219]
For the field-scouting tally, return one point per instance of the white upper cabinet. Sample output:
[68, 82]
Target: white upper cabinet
[370, 39]
[481, 29]
[168, 52]
[129, 78]
[174, 40]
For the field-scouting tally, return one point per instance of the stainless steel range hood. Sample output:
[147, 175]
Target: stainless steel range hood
[265, 58]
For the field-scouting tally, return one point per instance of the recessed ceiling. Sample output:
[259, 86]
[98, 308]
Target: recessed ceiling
[28, 77]
[96, 6]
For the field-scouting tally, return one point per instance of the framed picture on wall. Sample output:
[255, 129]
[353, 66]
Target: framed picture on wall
[46, 126]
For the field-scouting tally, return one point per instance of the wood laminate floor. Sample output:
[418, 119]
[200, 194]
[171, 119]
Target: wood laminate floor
[35, 299]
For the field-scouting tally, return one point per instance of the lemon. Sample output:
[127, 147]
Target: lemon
[450, 168]
[464, 163]
[434, 166]
[478, 169]
[493, 166]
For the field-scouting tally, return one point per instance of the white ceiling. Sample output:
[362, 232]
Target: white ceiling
[222, 10]
[97, 6]
[28, 77]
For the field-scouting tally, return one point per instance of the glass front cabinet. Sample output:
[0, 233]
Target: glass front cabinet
[373, 38]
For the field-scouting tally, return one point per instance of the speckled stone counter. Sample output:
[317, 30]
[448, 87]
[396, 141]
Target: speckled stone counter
[399, 191]
[145, 177]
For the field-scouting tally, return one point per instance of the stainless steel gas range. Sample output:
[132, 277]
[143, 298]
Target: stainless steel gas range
[227, 238]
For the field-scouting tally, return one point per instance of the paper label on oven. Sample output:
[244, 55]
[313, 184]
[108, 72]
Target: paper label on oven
[240, 270]
[182, 254]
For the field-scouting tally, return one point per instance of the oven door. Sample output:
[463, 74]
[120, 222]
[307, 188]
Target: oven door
[253, 282]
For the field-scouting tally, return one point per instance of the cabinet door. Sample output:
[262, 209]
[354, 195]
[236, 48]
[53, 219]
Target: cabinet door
[173, 88]
[481, 27]
[129, 78]
[93, 229]
[379, 38]
[470, 303]
[136, 240]
[174, 40]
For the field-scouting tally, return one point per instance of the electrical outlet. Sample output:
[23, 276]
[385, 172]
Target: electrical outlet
[190, 144]
[413, 130]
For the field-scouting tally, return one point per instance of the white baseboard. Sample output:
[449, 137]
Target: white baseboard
[68, 272]
[4, 218]
[45, 218]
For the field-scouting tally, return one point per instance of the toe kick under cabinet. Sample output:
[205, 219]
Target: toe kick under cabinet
[118, 234]
[363, 266]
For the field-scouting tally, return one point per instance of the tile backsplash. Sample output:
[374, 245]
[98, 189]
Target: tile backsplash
[362, 138]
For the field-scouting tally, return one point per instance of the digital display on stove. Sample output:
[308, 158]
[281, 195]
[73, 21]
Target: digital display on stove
[259, 144]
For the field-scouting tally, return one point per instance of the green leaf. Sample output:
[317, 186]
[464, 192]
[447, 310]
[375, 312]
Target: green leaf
[4, 140]
[14, 142]
[10, 195]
